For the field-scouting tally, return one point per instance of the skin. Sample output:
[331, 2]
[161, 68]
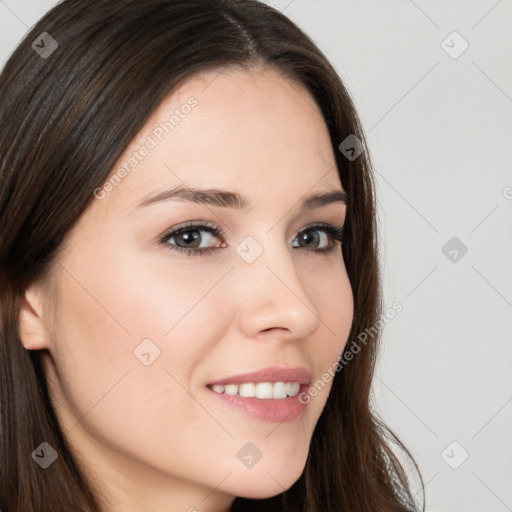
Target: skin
[153, 438]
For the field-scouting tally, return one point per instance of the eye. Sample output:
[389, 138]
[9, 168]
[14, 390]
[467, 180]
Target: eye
[321, 238]
[187, 238]
[329, 235]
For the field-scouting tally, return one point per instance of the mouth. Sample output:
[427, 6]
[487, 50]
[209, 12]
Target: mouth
[274, 394]
[276, 402]
[259, 390]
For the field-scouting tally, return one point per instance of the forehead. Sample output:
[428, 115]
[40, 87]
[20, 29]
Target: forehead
[254, 132]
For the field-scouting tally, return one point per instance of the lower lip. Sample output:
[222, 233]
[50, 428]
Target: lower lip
[271, 409]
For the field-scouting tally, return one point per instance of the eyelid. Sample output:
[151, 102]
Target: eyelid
[194, 225]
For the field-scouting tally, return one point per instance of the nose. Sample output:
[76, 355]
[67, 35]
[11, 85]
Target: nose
[273, 297]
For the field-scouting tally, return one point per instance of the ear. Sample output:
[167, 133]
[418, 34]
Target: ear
[32, 326]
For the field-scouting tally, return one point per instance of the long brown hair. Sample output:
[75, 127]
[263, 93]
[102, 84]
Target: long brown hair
[67, 112]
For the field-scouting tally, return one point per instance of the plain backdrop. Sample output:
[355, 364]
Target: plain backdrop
[432, 81]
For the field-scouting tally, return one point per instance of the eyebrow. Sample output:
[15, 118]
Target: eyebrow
[228, 199]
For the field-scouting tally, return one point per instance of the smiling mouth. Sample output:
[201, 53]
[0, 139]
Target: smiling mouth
[268, 401]
[260, 390]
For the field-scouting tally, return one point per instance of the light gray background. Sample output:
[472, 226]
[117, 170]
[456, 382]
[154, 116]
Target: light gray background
[440, 133]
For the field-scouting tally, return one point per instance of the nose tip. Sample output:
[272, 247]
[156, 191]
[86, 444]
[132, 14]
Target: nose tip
[277, 302]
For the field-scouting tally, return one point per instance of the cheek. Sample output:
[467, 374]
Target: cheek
[106, 387]
[154, 323]
[335, 308]
[332, 295]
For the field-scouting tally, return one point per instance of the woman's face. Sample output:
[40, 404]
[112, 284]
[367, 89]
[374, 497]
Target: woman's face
[139, 329]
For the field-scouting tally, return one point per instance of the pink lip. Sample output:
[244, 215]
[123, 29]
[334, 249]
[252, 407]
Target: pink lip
[272, 409]
[270, 374]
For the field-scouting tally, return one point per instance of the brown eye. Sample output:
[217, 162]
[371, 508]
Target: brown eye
[322, 237]
[191, 238]
[311, 238]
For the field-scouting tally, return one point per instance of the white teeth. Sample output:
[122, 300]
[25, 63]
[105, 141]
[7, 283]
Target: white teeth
[261, 390]
[264, 390]
[247, 390]
[231, 389]
[278, 390]
[292, 388]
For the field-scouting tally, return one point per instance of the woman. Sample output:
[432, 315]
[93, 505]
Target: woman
[136, 375]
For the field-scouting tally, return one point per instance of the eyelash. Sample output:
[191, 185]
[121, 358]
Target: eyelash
[335, 232]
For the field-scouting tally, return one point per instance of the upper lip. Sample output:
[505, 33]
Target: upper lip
[270, 374]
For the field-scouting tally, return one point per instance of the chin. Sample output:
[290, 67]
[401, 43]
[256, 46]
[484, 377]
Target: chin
[266, 483]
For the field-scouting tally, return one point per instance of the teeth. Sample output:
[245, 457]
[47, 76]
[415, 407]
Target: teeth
[261, 390]
[231, 389]
[247, 390]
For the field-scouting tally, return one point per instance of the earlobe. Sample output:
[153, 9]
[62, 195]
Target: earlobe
[32, 326]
